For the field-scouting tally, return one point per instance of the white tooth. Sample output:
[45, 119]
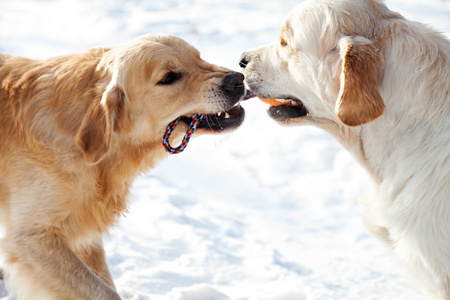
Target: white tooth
[227, 116]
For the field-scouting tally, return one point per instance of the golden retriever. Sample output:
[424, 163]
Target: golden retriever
[75, 131]
[380, 85]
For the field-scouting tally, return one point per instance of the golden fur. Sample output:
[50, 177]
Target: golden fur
[75, 131]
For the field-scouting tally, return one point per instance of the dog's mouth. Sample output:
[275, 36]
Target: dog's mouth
[282, 108]
[221, 121]
[291, 109]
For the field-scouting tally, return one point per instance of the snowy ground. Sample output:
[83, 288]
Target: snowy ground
[263, 213]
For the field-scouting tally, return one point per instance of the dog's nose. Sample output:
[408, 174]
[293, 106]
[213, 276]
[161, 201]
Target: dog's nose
[233, 82]
[243, 61]
[233, 87]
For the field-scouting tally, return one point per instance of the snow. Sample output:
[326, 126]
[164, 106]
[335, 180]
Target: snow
[263, 213]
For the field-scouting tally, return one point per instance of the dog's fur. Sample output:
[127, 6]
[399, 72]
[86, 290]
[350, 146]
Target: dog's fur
[380, 85]
[75, 131]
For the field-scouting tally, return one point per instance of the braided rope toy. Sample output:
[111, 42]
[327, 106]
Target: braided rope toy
[272, 102]
[248, 96]
[196, 119]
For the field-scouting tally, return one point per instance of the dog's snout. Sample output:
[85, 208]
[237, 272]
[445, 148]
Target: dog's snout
[233, 82]
[233, 86]
[243, 61]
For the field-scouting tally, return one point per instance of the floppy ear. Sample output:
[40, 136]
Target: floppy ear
[94, 135]
[359, 99]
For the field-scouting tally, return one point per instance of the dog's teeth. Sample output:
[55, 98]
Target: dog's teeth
[227, 116]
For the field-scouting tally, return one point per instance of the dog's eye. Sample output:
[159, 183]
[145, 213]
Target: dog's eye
[283, 43]
[170, 78]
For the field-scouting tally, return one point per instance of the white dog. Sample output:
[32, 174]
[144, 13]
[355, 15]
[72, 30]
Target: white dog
[380, 85]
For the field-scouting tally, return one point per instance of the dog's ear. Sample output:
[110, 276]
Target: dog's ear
[103, 117]
[359, 99]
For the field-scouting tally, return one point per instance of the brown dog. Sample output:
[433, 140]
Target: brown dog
[75, 131]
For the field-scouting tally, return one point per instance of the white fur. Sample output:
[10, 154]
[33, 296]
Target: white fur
[406, 149]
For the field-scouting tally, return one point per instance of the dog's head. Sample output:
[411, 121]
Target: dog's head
[151, 81]
[327, 61]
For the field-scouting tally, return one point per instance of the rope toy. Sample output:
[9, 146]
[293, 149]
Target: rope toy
[272, 102]
[248, 96]
[197, 118]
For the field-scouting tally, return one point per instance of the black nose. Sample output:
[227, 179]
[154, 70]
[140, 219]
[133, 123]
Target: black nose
[233, 87]
[234, 82]
[243, 62]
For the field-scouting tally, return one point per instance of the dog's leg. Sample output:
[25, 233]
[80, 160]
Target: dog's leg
[425, 249]
[94, 257]
[45, 262]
